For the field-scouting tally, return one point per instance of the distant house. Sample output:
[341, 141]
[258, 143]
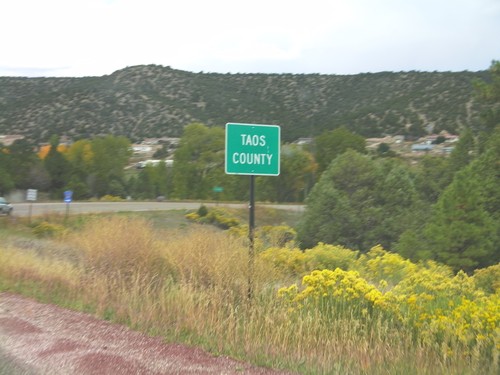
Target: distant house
[452, 138]
[373, 143]
[421, 147]
[399, 138]
[150, 141]
[8, 140]
[141, 149]
[153, 163]
[448, 137]
[303, 141]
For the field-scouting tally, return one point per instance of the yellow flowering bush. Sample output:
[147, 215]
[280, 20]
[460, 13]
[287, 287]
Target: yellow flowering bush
[221, 219]
[325, 256]
[192, 216]
[488, 279]
[218, 217]
[379, 264]
[291, 261]
[337, 284]
[276, 235]
[111, 198]
[298, 262]
[446, 311]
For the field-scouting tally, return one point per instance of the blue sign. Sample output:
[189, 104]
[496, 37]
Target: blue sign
[68, 195]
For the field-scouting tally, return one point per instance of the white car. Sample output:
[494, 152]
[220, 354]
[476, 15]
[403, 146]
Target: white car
[5, 207]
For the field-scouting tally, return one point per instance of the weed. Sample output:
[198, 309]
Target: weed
[191, 286]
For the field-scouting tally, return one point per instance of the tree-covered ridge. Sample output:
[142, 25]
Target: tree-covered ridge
[441, 208]
[151, 101]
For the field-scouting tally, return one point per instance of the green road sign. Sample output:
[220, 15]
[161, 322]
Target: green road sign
[253, 149]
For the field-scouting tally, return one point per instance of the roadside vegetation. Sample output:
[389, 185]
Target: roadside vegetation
[392, 268]
[328, 309]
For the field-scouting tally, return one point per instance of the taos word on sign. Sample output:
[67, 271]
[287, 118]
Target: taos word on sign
[253, 149]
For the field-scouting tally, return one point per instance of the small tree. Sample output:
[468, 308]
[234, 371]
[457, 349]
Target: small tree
[6, 182]
[333, 143]
[57, 166]
[461, 233]
[384, 150]
[488, 93]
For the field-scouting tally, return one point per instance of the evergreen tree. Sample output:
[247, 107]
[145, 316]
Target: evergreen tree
[487, 170]
[57, 167]
[328, 218]
[464, 229]
[431, 178]
[461, 233]
[110, 155]
[462, 154]
[360, 202]
[399, 203]
[6, 181]
[340, 208]
[333, 143]
[18, 160]
[488, 93]
[39, 177]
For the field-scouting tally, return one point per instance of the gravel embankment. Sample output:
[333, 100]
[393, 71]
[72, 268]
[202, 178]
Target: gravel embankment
[38, 338]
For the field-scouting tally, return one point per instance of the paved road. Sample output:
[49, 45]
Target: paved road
[37, 209]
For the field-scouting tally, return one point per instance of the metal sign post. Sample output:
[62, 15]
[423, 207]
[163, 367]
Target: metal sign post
[31, 197]
[251, 237]
[217, 190]
[252, 150]
[68, 197]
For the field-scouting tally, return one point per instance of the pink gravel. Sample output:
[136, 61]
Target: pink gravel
[46, 339]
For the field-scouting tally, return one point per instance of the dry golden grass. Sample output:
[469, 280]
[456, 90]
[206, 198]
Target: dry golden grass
[116, 245]
[192, 286]
[43, 277]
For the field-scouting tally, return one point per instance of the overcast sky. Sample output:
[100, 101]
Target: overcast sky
[97, 37]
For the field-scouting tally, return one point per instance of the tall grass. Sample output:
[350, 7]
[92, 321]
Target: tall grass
[191, 286]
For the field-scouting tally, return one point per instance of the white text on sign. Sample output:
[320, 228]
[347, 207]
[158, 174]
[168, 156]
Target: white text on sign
[252, 158]
[253, 140]
[252, 149]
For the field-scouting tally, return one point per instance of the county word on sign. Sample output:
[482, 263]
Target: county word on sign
[253, 149]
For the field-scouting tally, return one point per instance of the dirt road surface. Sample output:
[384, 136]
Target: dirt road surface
[38, 338]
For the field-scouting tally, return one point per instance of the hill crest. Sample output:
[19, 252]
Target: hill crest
[155, 101]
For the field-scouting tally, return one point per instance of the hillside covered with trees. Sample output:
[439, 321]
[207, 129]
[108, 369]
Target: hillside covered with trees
[442, 208]
[154, 101]
[393, 267]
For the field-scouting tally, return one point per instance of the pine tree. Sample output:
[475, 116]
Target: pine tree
[463, 231]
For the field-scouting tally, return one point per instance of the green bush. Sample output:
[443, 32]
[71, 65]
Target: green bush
[202, 211]
[46, 229]
[221, 219]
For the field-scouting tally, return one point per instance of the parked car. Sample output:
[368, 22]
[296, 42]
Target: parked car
[5, 207]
